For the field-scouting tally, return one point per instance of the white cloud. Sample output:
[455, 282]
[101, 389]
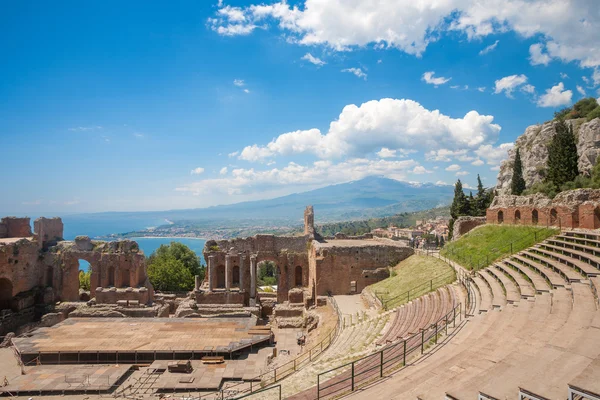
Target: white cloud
[321, 173]
[223, 171]
[481, 89]
[428, 78]
[494, 155]
[138, 135]
[555, 96]
[239, 82]
[379, 61]
[509, 83]
[419, 169]
[596, 76]
[496, 168]
[462, 173]
[447, 155]
[567, 29]
[386, 153]
[85, 128]
[581, 90]
[233, 154]
[477, 163]
[585, 79]
[197, 171]
[489, 48]
[528, 89]
[441, 183]
[313, 60]
[537, 55]
[390, 123]
[564, 76]
[246, 90]
[453, 167]
[356, 71]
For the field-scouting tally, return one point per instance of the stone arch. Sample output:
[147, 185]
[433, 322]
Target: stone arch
[553, 216]
[125, 278]
[500, 216]
[517, 216]
[235, 276]
[535, 217]
[298, 281]
[111, 276]
[220, 276]
[6, 293]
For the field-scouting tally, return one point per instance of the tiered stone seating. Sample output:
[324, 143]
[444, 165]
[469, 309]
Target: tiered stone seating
[544, 339]
[483, 294]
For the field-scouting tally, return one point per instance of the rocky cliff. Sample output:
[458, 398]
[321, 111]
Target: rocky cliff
[534, 151]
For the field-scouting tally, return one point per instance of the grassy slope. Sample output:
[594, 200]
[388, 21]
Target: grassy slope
[485, 244]
[413, 274]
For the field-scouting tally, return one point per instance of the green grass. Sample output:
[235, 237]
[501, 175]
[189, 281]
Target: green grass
[488, 243]
[414, 274]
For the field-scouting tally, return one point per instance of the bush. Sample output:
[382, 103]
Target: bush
[595, 113]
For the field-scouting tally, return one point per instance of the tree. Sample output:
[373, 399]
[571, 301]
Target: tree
[460, 204]
[266, 273]
[173, 267]
[442, 241]
[518, 183]
[562, 156]
[84, 280]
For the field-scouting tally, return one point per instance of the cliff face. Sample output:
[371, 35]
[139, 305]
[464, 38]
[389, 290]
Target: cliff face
[534, 151]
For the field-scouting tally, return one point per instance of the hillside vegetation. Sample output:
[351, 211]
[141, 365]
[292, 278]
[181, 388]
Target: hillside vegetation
[488, 243]
[360, 227]
[418, 274]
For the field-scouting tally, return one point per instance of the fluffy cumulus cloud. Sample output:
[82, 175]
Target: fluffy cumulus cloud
[566, 30]
[313, 60]
[386, 153]
[509, 84]
[555, 96]
[537, 55]
[430, 79]
[447, 155]
[581, 90]
[223, 171]
[494, 155]
[197, 171]
[419, 169]
[453, 167]
[386, 123]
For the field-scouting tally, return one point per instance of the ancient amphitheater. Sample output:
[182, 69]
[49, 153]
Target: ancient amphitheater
[526, 327]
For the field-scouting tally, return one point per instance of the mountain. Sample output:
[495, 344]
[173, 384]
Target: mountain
[369, 197]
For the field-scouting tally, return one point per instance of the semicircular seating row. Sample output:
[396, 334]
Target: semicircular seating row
[365, 337]
[536, 327]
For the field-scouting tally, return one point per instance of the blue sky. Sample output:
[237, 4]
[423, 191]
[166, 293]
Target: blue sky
[148, 106]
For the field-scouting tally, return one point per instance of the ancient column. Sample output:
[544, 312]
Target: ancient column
[253, 276]
[211, 271]
[228, 272]
[197, 282]
[242, 258]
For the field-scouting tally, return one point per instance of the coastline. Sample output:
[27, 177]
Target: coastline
[167, 237]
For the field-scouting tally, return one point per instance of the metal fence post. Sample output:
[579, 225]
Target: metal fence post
[422, 340]
[436, 333]
[318, 388]
[404, 357]
[353, 376]
[381, 364]
[446, 324]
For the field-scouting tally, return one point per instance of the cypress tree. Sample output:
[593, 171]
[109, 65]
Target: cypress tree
[562, 156]
[518, 183]
[481, 198]
[460, 204]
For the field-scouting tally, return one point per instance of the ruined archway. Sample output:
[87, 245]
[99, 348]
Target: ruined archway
[111, 277]
[517, 217]
[6, 293]
[220, 277]
[125, 278]
[50, 276]
[500, 217]
[235, 276]
[534, 217]
[553, 216]
[298, 276]
[267, 273]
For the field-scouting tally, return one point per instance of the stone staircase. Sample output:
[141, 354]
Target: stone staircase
[535, 332]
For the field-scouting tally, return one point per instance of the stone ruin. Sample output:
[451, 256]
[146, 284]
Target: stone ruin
[579, 208]
[38, 269]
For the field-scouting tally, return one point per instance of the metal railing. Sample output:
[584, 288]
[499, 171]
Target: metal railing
[418, 290]
[272, 388]
[351, 376]
[500, 249]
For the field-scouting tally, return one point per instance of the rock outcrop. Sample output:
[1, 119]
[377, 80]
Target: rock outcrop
[534, 151]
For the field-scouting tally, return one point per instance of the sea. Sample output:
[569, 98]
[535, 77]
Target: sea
[99, 225]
